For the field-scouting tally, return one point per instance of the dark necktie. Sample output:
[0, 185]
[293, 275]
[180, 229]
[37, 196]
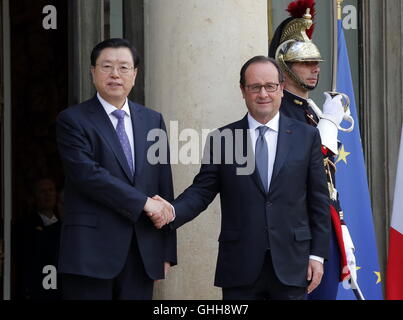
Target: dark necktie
[262, 156]
[124, 140]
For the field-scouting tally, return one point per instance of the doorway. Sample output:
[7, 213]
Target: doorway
[39, 76]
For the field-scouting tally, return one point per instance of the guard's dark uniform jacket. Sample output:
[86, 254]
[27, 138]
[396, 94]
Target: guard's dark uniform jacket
[298, 108]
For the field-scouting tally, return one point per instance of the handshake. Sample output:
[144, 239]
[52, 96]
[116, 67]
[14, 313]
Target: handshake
[159, 211]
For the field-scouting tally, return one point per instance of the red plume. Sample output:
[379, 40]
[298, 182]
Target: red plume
[297, 9]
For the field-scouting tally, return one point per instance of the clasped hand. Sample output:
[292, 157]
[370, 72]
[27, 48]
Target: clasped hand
[159, 211]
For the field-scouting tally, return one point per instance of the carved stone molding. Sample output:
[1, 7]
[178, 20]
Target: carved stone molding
[381, 112]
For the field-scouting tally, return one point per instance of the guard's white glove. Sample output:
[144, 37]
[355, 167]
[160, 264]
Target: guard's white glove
[330, 119]
[349, 248]
[333, 109]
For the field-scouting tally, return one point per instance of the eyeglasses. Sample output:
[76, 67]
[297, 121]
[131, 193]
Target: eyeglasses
[256, 88]
[108, 68]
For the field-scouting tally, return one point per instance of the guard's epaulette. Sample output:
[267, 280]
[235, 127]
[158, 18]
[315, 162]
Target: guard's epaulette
[298, 102]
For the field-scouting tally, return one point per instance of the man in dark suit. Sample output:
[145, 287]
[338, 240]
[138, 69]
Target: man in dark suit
[109, 248]
[275, 220]
[37, 244]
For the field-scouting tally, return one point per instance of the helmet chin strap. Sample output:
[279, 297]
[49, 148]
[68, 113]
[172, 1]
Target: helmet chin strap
[299, 82]
[286, 68]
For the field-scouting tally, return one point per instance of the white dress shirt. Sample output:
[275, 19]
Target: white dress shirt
[48, 221]
[128, 122]
[271, 137]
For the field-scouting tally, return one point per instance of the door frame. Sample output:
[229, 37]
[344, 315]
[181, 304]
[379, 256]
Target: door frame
[6, 152]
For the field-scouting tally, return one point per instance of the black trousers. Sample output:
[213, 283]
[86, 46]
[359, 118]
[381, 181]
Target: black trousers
[266, 287]
[132, 283]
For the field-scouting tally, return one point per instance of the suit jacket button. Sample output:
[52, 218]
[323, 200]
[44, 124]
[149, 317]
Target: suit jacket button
[268, 204]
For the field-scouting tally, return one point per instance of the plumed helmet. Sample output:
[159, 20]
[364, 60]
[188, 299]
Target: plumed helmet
[292, 39]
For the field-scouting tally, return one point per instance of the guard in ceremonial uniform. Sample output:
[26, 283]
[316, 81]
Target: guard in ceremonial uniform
[299, 58]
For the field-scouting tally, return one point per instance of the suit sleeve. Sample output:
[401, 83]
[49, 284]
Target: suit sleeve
[89, 177]
[196, 198]
[318, 201]
[166, 192]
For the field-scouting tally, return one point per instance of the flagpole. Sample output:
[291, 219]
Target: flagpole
[336, 17]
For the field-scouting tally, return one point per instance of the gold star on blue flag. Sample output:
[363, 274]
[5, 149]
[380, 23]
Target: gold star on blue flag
[379, 279]
[343, 154]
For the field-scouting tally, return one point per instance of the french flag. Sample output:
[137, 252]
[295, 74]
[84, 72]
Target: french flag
[394, 272]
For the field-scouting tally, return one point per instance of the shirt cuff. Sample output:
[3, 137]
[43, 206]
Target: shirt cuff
[316, 258]
[173, 213]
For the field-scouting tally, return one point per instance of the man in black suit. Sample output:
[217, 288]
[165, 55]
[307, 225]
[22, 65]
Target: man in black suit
[275, 221]
[37, 244]
[109, 248]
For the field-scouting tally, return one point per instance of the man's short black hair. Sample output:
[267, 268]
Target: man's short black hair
[114, 43]
[262, 59]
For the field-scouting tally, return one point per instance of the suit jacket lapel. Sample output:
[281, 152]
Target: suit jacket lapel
[103, 123]
[140, 136]
[283, 145]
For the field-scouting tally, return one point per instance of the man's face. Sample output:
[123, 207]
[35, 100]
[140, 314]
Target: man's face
[307, 72]
[45, 195]
[262, 105]
[114, 85]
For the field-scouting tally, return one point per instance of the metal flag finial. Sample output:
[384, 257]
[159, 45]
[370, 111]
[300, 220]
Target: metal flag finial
[339, 3]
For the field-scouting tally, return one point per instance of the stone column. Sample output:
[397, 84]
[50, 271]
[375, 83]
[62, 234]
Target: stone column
[86, 29]
[194, 51]
[382, 94]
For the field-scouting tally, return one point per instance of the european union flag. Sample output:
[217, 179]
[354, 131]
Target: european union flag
[352, 184]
